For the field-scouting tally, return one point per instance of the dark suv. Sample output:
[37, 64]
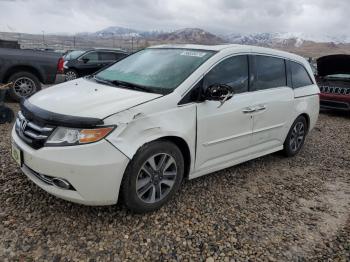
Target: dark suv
[80, 63]
[333, 78]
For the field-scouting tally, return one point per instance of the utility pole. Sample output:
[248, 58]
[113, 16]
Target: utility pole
[74, 41]
[43, 38]
[19, 39]
[132, 44]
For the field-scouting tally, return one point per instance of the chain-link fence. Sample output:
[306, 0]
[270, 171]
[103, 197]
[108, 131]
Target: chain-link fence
[64, 43]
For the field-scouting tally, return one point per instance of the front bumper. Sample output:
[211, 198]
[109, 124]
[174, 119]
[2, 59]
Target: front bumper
[335, 101]
[95, 170]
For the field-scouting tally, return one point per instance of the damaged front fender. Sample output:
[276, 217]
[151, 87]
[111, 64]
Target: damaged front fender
[136, 127]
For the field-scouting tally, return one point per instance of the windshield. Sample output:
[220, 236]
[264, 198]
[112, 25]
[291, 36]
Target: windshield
[160, 70]
[73, 55]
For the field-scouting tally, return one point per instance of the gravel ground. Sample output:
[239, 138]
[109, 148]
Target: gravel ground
[272, 208]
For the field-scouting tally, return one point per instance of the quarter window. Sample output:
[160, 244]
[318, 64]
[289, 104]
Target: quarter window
[233, 72]
[300, 77]
[270, 73]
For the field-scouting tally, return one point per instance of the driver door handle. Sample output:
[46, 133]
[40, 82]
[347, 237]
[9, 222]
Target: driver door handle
[260, 108]
[248, 110]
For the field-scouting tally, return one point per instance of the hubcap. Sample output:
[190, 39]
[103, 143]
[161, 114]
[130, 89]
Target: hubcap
[156, 178]
[297, 136]
[70, 75]
[24, 86]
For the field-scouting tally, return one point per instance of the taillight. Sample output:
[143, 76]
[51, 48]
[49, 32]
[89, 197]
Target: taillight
[60, 66]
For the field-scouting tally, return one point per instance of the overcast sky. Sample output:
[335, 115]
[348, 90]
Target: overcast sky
[218, 16]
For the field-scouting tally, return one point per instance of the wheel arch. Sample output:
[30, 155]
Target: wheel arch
[73, 68]
[23, 68]
[184, 148]
[307, 117]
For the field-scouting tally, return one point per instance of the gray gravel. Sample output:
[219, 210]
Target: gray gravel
[272, 208]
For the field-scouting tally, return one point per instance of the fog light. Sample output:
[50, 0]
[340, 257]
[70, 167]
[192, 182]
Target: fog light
[61, 183]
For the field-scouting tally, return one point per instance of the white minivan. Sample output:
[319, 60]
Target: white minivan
[164, 114]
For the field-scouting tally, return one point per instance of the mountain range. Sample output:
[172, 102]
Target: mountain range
[130, 39]
[301, 43]
[197, 35]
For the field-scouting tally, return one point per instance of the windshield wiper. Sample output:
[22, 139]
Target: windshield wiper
[123, 84]
[103, 81]
[131, 86]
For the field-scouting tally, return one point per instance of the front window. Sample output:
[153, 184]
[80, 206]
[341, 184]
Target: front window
[232, 72]
[91, 57]
[159, 70]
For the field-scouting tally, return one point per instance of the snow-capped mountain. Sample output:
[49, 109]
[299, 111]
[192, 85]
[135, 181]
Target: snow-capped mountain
[123, 32]
[117, 31]
[283, 39]
[200, 36]
[186, 35]
[191, 35]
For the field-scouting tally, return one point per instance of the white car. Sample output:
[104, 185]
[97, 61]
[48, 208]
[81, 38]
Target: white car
[161, 115]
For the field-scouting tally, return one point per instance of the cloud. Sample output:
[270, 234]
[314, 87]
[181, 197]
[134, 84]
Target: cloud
[218, 16]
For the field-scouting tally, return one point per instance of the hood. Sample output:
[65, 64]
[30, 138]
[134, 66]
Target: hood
[86, 98]
[333, 64]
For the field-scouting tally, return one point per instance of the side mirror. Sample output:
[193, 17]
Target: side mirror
[219, 92]
[85, 60]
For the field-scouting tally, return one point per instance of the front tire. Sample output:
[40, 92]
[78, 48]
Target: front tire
[296, 137]
[24, 85]
[153, 176]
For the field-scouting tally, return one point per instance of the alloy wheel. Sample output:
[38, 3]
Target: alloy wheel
[297, 136]
[24, 86]
[70, 75]
[156, 178]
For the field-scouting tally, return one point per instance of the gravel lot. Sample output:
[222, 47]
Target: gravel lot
[272, 208]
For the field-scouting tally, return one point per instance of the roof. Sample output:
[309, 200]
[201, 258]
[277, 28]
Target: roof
[198, 47]
[236, 48]
[99, 49]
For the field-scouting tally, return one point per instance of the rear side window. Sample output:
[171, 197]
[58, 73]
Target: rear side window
[233, 72]
[300, 77]
[270, 73]
[108, 56]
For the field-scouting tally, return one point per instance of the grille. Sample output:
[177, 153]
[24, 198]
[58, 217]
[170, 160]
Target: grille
[32, 133]
[334, 105]
[334, 90]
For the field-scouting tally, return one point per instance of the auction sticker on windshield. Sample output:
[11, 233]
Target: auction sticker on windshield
[193, 53]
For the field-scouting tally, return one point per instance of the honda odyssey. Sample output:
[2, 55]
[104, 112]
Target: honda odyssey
[164, 114]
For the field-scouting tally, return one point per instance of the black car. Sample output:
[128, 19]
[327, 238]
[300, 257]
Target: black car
[80, 63]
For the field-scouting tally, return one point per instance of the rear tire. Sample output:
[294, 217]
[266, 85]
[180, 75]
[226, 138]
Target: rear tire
[71, 74]
[153, 176]
[296, 137]
[24, 85]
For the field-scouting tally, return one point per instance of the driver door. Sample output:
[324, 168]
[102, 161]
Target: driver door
[223, 133]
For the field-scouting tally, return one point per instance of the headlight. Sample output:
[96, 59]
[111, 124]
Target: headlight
[63, 136]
